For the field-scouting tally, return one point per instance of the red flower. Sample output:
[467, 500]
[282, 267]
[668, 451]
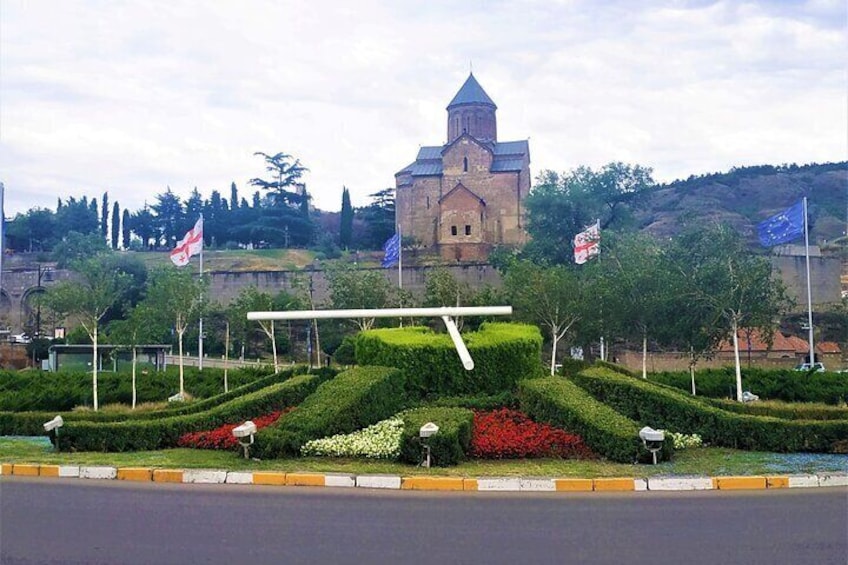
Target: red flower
[510, 434]
[222, 437]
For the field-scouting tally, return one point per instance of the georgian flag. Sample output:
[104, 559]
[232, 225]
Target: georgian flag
[189, 245]
[587, 244]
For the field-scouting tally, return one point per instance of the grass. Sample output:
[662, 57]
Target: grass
[239, 260]
[704, 461]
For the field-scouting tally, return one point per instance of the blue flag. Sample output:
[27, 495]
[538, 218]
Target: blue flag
[783, 227]
[392, 249]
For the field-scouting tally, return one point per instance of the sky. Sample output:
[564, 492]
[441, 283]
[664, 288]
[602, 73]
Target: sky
[134, 97]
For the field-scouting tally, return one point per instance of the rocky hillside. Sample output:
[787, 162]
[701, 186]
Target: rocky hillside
[745, 196]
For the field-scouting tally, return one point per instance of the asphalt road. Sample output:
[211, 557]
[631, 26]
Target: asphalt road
[78, 521]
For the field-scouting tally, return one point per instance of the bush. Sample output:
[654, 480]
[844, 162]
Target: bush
[165, 432]
[561, 403]
[768, 384]
[351, 401]
[503, 354]
[448, 446]
[778, 409]
[664, 407]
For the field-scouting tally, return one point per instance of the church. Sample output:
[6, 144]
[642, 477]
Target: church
[467, 196]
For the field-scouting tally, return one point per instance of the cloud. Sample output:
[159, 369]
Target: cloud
[131, 98]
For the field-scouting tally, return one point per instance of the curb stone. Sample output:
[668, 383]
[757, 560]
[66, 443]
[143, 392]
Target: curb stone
[428, 482]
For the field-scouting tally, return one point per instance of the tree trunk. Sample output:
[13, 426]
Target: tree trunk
[274, 348]
[182, 381]
[736, 361]
[692, 368]
[226, 355]
[644, 355]
[94, 365]
[555, 340]
[134, 362]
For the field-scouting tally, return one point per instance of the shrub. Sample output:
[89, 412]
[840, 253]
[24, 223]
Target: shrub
[510, 434]
[561, 403]
[503, 354]
[448, 446]
[352, 400]
[222, 437]
[665, 407]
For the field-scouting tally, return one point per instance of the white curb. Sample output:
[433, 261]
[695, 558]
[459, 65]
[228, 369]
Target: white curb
[378, 481]
[640, 485]
[505, 484]
[833, 480]
[239, 478]
[71, 471]
[803, 481]
[98, 472]
[339, 480]
[204, 476]
[536, 485]
[671, 483]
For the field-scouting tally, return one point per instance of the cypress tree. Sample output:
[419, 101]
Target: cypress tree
[346, 220]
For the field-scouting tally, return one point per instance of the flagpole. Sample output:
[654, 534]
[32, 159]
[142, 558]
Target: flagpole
[400, 268]
[809, 290]
[200, 326]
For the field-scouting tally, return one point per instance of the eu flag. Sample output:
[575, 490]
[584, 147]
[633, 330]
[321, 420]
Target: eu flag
[783, 227]
[392, 249]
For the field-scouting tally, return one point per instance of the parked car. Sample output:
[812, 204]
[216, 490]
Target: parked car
[20, 338]
[806, 367]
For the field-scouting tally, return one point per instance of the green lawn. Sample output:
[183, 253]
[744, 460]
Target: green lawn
[704, 461]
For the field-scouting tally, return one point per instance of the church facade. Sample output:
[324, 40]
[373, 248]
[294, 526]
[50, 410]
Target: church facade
[466, 196]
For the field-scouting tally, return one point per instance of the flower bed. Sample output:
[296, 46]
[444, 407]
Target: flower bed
[380, 441]
[510, 434]
[222, 437]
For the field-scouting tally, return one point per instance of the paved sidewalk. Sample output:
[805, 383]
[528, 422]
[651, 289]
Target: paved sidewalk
[430, 483]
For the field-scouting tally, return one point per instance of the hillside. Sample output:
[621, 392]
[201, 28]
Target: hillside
[745, 196]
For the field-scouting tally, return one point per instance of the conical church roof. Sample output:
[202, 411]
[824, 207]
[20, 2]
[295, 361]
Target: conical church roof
[471, 93]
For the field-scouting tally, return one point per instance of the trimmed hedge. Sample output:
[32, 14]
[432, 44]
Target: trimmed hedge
[769, 384]
[477, 401]
[559, 402]
[791, 411]
[351, 401]
[503, 354]
[663, 407]
[164, 432]
[448, 446]
[30, 423]
[42, 390]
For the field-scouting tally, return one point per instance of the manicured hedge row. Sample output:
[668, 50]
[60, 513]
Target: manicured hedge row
[503, 354]
[559, 402]
[663, 407]
[781, 384]
[793, 411]
[351, 401]
[30, 423]
[448, 446]
[477, 401]
[41, 390]
[164, 432]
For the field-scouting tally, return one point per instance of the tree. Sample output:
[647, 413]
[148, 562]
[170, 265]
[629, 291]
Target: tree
[139, 327]
[143, 224]
[234, 201]
[346, 220]
[561, 205]
[737, 289]
[286, 173]
[95, 290]
[251, 300]
[169, 219]
[176, 296]
[116, 225]
[125, 229]
[77, 246]
[104, 216]
[550, 297]
[35, 230]
[352, 288]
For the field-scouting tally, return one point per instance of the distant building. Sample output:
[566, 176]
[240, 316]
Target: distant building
[466, 196]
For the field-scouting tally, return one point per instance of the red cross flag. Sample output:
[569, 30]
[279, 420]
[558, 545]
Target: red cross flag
[191, 244]
[587, 244]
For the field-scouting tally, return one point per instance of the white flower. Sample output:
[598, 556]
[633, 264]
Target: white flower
[380, 441]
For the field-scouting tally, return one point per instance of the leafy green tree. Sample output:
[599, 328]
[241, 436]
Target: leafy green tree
[143, 224]
[116, 225]
[286, 173]
[36, 230]
[379, 217]
[125, 229]
[561, 205]
[87, 298]
[234, 201]
[104, 216]
[250, 299]
[346, 221]
[77, 246]
[177, 297]
[352, 288]
[169, 218]
[136, 329]
[77, 216]
[731, 286]
[550, 297]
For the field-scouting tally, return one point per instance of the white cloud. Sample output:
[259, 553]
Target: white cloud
[132, 97]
